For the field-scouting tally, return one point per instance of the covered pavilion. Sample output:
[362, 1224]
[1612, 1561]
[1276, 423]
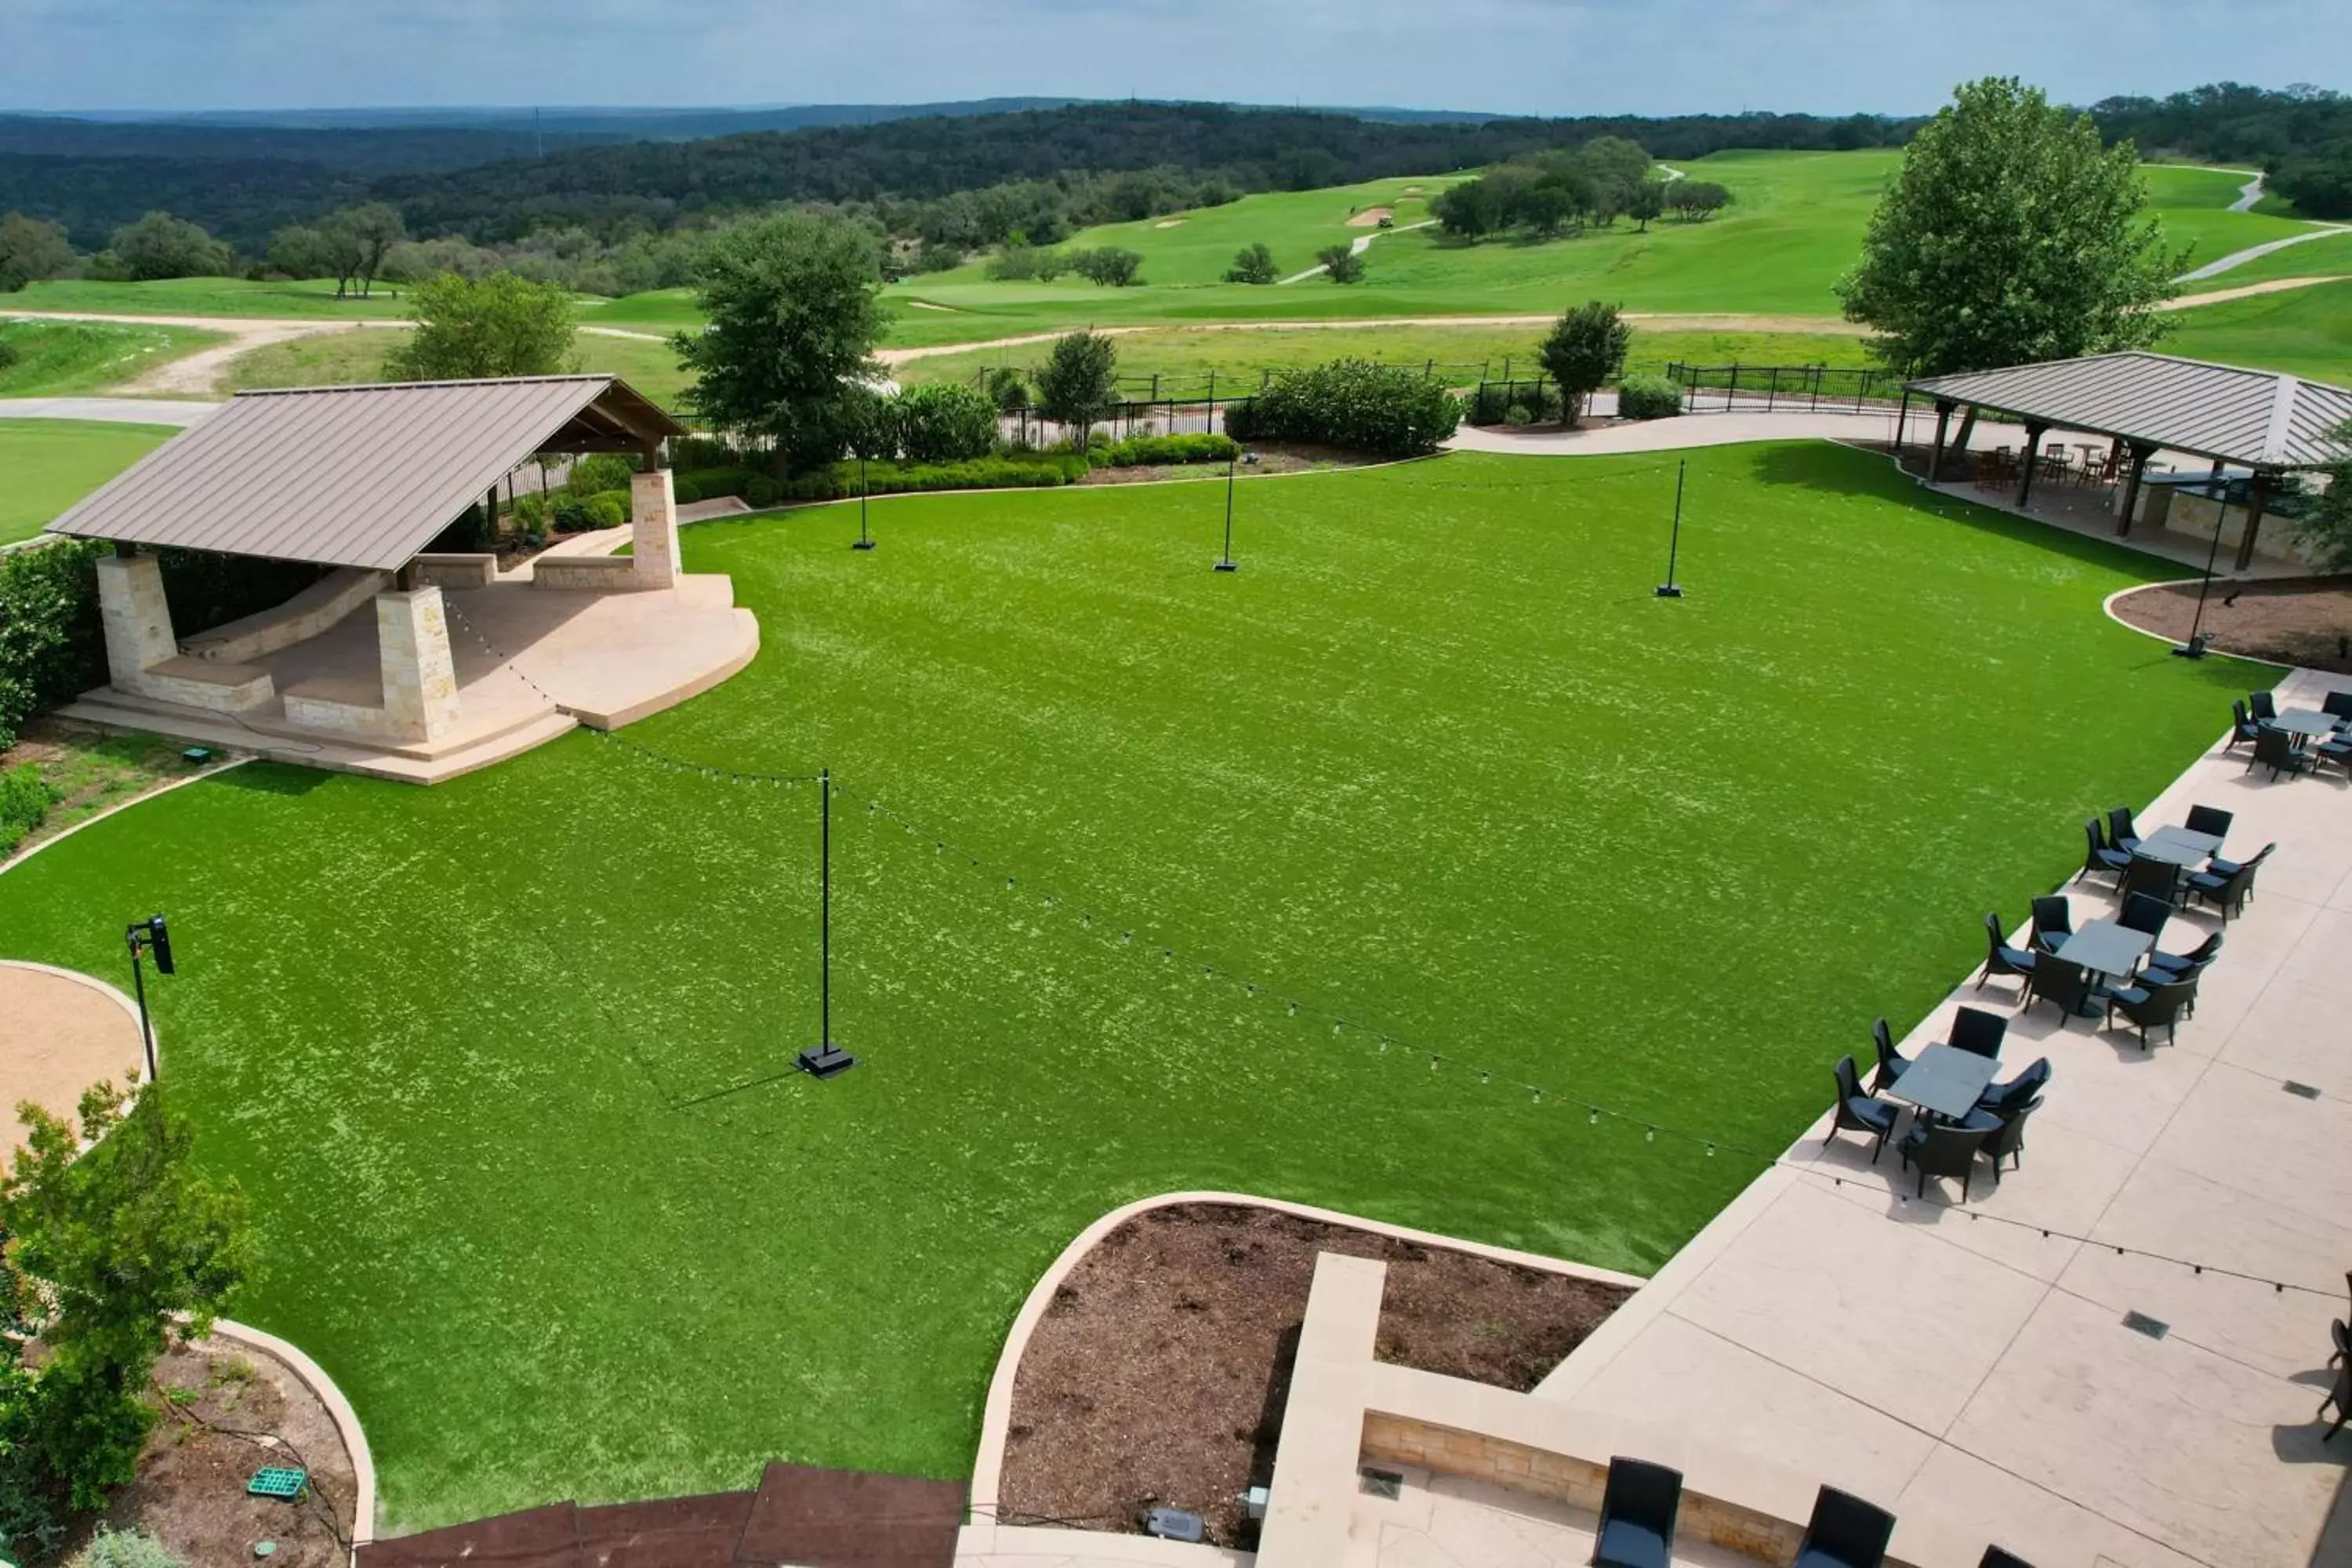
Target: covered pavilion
[2266, 422]
[361, 480]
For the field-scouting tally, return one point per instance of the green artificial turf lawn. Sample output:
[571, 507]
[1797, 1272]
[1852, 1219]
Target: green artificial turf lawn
[2304, 332]
[1435, 760]
[52, 463]
[57, 359]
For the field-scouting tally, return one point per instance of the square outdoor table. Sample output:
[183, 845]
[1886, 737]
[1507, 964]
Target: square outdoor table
[2305, 723]
[2172, 851]
[2204, 843]
[1945, 1080]
[2106, 947]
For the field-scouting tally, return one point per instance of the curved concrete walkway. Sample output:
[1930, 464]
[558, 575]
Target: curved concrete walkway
[1680, 433]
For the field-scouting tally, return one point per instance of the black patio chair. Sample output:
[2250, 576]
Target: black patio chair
[2069, 986]
[2341, 1332]
[2263, 707]
[2339, 1396]
[2157, 1007]
[2220, 866]
[2053, 923]
[1995, 1557]
[2242, 728]
[1945, 1149]
[1891, 1065]
[1637, 1515]
[2231, 893]
[2182, 965]
[2000, 958]
[2001, 1098]
[1858, 1112]
[2156, 880]
[2337, 705]
[2145, 913]
[2122, 833]
[2210, 819]
[1844, 1532]
[2098, 860]
[1977, 1032]
[2004, 1133]
[2338, 752]
[2274, 749]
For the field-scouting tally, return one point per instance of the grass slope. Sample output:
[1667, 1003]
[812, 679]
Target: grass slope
[340, 359]
[2304, 332]
[231, 297]
[1435, 760]
[53, 463]
[57, 359]
[2329, 256]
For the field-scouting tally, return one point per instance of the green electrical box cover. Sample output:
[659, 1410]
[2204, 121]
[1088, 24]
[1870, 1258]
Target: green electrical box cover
[277, 1482]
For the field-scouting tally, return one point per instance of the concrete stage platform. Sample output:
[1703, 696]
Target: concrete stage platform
[531, 663]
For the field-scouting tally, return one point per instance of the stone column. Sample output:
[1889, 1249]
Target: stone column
[420, 676]
[653, 529]
[138, 622]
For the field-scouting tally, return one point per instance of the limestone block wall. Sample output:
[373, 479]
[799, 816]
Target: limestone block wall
[420, 675]
[653, 529]
[467, 570]
[136, 618]
[315, 609]
[592, 574]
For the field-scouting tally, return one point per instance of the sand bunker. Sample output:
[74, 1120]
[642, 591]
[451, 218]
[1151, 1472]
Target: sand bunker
[1169, 223]
[1369, 217]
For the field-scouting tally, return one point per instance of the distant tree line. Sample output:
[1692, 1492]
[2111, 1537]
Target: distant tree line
[2301, 137]
[1545, 193]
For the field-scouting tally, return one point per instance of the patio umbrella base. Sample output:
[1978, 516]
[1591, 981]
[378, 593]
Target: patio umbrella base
[1668, 591]
[826, 1061]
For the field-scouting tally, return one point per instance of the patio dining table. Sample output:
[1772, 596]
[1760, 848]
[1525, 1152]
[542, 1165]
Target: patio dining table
[1945, 1080]
[2105, 947]
[2178, 846]
[2305, 723]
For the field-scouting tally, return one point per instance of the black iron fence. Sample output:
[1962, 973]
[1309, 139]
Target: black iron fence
[1768, 388]
[1140, 416]
[1223, 386]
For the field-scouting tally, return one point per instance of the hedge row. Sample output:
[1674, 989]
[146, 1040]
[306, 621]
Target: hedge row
[24, 799]
[1143, 452]
[1355, 404]
[840, 481]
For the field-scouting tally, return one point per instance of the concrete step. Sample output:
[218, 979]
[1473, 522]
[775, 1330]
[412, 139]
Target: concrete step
[114, 710]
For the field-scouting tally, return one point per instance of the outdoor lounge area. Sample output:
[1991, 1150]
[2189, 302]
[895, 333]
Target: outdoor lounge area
[2184, 457]
[398, 661]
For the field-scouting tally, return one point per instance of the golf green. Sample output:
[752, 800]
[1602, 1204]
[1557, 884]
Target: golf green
[53, 463]
[506, 1064]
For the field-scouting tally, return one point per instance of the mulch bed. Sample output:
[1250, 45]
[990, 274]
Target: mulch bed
[2304, 621]
[1158, 1376]
[1271, 459]
[229, 1411]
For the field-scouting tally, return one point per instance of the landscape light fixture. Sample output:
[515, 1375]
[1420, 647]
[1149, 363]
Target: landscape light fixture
[864, 539]
[824, 1059]
[2195, 646]
[150, 935]
[1225, 563]
[1666, 590]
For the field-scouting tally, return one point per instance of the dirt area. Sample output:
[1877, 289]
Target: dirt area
[57, 1037]
[1369, 216]
[92, 769]
[2305, 621]
[1158, 1374]
[227, 1412]
[1270, 460]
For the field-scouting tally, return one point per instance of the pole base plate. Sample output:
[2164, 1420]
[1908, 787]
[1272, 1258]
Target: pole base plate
[862, 544]
[1668, 591]
[1229, 566]
[826, 1061]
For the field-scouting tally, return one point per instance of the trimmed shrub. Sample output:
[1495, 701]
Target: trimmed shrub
[1138, 451]
[1648, 397]
[599, 472]
[1355, 404]
[24, 799]
[839, 481]
[704, 484]
[1493, 402]
[610, 510]
[944, 424]
[1517, 414]
[123, 1549]
[762, 489]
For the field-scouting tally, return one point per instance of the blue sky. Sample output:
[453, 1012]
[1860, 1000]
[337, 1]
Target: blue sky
[1553, 57]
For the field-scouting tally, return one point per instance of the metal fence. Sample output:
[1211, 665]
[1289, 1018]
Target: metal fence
[1767, 388]
[1163, 417]
[1223, 386]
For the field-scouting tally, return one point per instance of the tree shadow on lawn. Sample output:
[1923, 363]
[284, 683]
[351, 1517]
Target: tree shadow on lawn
[270, 778]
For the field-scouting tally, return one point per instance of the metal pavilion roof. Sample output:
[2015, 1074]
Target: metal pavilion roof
[356, 476]
[2261, 418]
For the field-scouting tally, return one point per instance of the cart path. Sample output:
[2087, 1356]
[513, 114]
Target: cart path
[1357, 246]
[2248, 290]
[2239, 257]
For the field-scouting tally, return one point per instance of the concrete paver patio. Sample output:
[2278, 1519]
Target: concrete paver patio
[1920, 1353]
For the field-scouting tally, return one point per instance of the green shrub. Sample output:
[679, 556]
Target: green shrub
[8, 353]
[599, 472]
[123, 1549]
[944, 424]
[840, 480]
[24, 799]
[531, 513]
[1136, 451]
[1648, 397]
[762, 489]
[1005, 388]
[51, 646]
[1353, 404]
[1493, 402]
[610, 510]
[704, 484]
[1518, 414]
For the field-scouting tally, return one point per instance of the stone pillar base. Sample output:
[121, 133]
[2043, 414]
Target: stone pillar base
[653, 529]
[138, 621]
[420, 674]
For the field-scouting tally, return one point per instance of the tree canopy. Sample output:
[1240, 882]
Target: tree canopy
[1584, 352]
[793, 318]
[502, 325]
[1077, 385]
[161, 246]
[2011, 234]
[31, 250]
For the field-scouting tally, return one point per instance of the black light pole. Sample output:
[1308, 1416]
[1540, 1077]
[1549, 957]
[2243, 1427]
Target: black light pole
[1666, 590]
[864, 539]
[2195, 646]
[141, 936]
[1225, 563]
[824, 1058]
